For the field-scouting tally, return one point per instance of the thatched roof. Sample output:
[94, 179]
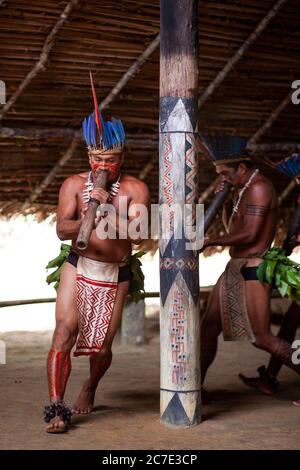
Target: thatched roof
[107, 37]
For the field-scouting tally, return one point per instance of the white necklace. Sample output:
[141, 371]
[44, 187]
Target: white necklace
[86, 193]
[236, 205]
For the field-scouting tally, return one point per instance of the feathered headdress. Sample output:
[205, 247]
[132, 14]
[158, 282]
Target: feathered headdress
[224, 148]
[290, 166]
[102, 135]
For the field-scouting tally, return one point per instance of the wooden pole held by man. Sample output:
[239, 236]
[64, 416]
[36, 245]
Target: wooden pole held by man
[89, 217]
[215, 206]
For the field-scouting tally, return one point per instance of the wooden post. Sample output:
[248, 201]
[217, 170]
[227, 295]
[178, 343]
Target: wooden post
[179, 266]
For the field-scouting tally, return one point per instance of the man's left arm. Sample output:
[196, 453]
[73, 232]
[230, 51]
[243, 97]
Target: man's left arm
[257, 205]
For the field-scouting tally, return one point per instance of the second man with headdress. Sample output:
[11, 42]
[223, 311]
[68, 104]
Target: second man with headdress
[240, 303]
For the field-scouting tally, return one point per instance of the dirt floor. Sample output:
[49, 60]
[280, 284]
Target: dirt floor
[127, 404]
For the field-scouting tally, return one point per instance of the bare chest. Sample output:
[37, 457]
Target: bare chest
[118, 203]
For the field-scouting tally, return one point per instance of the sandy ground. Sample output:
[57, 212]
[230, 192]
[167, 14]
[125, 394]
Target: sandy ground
[127, 403]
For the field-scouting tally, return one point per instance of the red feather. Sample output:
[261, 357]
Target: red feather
[97, 117]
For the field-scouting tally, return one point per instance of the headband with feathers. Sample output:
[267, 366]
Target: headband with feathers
[224, 148]
[102, 135]
[290, 166]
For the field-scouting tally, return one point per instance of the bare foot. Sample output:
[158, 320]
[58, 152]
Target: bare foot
[296, 403]
[56, 425]
[258, 383]
[85, 401]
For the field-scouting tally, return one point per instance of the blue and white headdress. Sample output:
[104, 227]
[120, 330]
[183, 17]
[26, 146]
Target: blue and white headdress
[224, 148]
[102, 136]
[290, 166]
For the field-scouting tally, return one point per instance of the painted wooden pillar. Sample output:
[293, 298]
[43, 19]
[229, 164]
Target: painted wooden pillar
[179, 265]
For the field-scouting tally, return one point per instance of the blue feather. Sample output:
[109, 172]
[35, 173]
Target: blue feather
[87, 131]
[94, 131]
[91, 130]
[115, 130]
[120, 129]
[104, 133]
[112, 132]
[290, 166]
[84, 130]
[224, 146]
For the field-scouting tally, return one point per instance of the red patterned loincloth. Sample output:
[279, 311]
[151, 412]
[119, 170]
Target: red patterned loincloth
[97, 284]
[235, 319]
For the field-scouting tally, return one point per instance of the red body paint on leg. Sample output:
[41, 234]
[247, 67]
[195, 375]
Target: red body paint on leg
[59, 368]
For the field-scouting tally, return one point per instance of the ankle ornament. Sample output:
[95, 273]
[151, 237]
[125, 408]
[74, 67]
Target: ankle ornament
[57, 408]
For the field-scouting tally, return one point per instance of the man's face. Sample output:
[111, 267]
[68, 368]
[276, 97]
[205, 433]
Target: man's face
[110, 162]
[232, 176]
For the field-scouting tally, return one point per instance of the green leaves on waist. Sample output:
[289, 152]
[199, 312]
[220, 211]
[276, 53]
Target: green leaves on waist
[58, 263]
[280, 271]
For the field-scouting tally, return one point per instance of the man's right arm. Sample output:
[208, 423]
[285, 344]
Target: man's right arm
[67, 227]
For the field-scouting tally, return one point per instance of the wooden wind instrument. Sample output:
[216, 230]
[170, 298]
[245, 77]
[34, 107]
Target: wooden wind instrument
[89, 217]
[215, 205]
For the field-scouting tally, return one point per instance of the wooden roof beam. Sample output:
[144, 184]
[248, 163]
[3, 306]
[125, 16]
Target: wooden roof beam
[275, 147]
[48, 45]
[51, 175]
[268, 123]
[287, 190]
[41, 63]
[40, 133]
[239, 53]
[133, 69]
[77, 135]
[263, 129]
[148, 168]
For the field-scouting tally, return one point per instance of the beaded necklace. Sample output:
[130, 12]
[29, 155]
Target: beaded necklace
[238, 201]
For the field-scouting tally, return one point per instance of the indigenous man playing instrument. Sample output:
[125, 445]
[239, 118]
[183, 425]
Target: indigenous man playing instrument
[239, 302]
[71, 209]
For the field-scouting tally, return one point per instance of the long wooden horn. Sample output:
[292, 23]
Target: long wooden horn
[89, 218]
[215, 205]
